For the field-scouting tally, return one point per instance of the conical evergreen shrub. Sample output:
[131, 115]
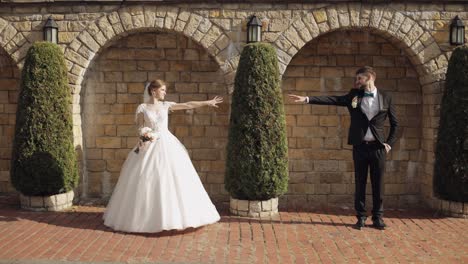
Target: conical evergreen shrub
[257, 162]
[451, 161]
[44, 160]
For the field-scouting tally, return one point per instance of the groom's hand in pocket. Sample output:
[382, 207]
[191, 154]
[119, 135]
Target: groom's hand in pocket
[387, 147]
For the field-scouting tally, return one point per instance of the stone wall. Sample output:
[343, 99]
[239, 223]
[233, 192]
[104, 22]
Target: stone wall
[9, 87]
[412, 34]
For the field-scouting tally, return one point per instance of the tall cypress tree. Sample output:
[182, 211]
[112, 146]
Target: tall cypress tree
[257, 161]
[44, 160]
[451, 163]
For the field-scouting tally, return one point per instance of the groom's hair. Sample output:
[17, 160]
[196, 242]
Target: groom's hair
[367, 70]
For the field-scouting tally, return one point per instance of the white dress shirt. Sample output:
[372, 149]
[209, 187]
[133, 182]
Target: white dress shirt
[370, 107]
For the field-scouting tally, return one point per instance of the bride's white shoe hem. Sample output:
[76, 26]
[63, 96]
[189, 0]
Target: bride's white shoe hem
[113, 227]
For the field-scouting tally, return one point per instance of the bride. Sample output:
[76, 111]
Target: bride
[158, 188]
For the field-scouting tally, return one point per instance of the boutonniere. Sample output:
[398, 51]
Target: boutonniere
[354, 102]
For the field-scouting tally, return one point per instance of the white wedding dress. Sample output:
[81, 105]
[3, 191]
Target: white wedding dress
[158, 188]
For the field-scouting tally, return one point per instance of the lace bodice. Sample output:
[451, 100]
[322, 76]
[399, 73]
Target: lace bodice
[155, 115]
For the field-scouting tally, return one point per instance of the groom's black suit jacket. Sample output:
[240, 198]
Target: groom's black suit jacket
[359, 120]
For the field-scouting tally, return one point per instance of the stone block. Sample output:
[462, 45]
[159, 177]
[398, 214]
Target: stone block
[114, 165]
[179, 25]
[61, 199]
[243, 205]
[253, 214]
[330, 177]
[108, 142]
[429, 53]
[94, 154]
[37, 201]
[233, 211]
[255, 206]
[293, 37]
[184, 15]
[89, 41]
[266, 206]
[308, 84]
[170, 20]
[343, 18]
[328, 121]
[274, 204]
[383, 61]
[96, 165]
[301, 165]
[211, 36]
[215, 178]
[25, 200]
[205, 25]
[456, 207]
[278, 24]
[320, 16]
[331, 72]
[147, 54]
[180, 66]
[8, 33]
[265, 214]
[339, 188]
[192, 24]
[242, 213]
[233, 204]
[332, 16]
[191, 54]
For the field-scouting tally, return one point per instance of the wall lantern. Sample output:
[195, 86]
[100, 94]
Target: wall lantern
[254, 30]
[51, 31]
[457, 32]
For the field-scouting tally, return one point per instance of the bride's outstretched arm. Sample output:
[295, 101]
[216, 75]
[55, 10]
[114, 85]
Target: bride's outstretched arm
[195, 104]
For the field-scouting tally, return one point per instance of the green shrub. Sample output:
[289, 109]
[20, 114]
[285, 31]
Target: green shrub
[451, 163]
[44, 160]
[257, 161]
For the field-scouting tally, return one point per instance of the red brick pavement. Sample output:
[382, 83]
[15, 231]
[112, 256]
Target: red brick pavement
[79, 235]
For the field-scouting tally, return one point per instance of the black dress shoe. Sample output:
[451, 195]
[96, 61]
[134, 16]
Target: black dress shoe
[360, 224]
[378, 223]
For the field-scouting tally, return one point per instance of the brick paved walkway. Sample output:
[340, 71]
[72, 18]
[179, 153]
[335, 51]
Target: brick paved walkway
[78, 236]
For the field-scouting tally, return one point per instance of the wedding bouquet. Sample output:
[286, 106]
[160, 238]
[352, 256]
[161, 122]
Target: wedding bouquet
[146, 134]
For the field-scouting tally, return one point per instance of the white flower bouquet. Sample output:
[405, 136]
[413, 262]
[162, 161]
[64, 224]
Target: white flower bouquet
[146, 134]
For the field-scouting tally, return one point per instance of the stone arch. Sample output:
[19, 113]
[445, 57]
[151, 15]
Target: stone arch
[106, 29]
[112, 89]
[82, 53]
[13, 42]
[423, 52]
[401, 30]
[320, 158]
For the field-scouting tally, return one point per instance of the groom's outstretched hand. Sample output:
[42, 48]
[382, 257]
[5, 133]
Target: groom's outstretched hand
[297, 98]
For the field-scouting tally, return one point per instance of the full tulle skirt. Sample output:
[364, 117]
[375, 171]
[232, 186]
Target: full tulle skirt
[159, 189]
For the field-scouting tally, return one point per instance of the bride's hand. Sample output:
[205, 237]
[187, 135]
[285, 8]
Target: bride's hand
[213, 102]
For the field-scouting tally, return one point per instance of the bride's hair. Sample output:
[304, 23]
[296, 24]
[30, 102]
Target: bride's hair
[155, 84]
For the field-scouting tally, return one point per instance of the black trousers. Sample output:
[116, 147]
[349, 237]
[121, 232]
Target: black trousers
[369, 156]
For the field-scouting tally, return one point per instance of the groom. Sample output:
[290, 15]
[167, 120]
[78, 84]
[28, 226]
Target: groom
[368, 108]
